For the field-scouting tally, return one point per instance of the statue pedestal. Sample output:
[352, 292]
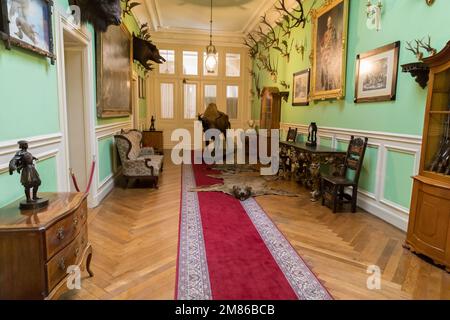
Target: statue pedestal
[38, 204]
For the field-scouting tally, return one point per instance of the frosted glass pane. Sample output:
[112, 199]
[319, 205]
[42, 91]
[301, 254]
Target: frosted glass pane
[233, 61]
[190, 63]
[210, 95]
[167, 100]
[167, 67]
[190, 101]
[232, 101]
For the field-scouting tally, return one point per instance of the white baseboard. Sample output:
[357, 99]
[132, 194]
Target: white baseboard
[105, 188]
[397, 219]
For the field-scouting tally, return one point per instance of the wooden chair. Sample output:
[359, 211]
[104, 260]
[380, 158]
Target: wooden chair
[284, 158]
[292, 135]
[333, 187]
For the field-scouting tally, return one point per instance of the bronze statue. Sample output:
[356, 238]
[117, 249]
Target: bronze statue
[152, 126]
[23, 163]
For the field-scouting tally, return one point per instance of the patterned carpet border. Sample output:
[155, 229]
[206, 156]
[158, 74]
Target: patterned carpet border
[193, 275]
[304, 283]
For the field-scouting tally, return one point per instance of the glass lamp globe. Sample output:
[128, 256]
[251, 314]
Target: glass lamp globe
[211, 59]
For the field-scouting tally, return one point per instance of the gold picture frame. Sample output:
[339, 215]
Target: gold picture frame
[114, 55]
[329, 50]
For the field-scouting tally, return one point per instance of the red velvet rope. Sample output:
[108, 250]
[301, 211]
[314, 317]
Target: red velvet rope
[74, 179]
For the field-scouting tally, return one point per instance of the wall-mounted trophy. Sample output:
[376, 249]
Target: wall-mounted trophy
[23, 163]
[312, 135]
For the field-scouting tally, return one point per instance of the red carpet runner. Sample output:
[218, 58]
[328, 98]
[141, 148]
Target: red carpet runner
[231, 250]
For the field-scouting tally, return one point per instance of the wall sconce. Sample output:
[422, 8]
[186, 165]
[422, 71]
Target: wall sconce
[373, 12]
[429, 2]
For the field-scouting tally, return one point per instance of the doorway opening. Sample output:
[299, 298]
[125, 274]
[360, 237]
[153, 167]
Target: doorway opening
[77, 121]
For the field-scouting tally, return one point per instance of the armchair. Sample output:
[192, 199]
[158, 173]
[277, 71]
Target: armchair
[137, 162]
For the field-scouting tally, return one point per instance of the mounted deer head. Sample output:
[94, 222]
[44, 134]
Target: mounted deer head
[427, 46]
[415, 50]
[100, 13]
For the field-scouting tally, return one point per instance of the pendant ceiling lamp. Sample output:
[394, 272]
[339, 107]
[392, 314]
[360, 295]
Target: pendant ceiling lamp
[211, 51]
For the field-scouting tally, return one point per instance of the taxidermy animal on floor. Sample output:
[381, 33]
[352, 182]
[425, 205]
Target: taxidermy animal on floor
[100, 13]
[215, 119]
[242, 187]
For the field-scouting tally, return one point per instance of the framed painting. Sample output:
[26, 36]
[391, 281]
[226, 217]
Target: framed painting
[28, 24]
[376, 74]
[114, 72]
[329, 51]
[300, 91]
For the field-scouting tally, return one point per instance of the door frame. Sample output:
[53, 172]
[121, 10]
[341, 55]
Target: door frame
[85, 41]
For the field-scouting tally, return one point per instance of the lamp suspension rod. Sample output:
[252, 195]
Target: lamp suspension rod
[210, 24]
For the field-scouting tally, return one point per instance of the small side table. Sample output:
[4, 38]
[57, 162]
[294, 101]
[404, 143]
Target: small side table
[153, 139]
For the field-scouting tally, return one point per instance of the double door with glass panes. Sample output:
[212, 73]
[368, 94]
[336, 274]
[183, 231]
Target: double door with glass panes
[184, 89]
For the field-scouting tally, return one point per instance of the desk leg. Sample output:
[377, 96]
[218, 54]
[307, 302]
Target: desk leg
[314, 170]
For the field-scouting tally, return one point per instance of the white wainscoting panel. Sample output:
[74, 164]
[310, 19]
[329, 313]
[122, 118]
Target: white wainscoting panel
[374, 203]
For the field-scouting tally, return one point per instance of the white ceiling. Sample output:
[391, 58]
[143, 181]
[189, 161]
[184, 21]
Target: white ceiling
[229, 16]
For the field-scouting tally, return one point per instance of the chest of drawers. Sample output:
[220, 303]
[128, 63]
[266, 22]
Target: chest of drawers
[40, 249]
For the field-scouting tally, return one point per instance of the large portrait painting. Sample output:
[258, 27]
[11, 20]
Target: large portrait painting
[28, 24]
[376, 74]
[114, 72]
[330, 24]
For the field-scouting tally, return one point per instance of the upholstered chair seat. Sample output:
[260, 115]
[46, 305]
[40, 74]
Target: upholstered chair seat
[138, 162]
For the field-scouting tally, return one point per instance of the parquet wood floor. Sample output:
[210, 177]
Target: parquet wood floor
[134, 233]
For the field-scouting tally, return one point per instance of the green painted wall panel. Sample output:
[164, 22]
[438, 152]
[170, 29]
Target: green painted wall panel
[11, 189]
[398, 182]
[367, 179]
[326, 142]
[105, 151]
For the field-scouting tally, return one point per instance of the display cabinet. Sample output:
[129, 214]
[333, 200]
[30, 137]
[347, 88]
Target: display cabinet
[270, 108]
[429, 223]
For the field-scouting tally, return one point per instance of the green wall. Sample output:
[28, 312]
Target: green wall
[12, 189]
[402, 20]
[29, 107]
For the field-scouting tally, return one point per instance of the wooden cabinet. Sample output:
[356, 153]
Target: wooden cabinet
[429, 223]
[270, 108]
[38, 247]
[153, 139]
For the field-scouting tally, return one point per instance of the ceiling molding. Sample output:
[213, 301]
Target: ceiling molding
[157, 23]
[254, 21]
[196, 37]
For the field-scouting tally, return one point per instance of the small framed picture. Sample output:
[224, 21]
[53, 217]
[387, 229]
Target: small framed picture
[28, 24]
[376, 74]
[300, 95]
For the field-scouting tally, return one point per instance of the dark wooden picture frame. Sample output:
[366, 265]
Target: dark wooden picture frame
[28, 31]
[382, 82]
[304, 73]
[110, 78]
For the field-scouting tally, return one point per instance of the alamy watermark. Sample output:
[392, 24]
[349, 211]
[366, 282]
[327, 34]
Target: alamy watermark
[374, 280]
[234, 149]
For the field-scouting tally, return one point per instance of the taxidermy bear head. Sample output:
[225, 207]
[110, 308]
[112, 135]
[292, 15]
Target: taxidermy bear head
[100, 13]
[242, 193]
[145, 51]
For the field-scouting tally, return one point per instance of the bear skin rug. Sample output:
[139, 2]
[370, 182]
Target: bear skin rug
[243, 185]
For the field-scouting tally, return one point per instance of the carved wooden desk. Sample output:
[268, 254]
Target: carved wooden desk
[304, 162]
[38, 247]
